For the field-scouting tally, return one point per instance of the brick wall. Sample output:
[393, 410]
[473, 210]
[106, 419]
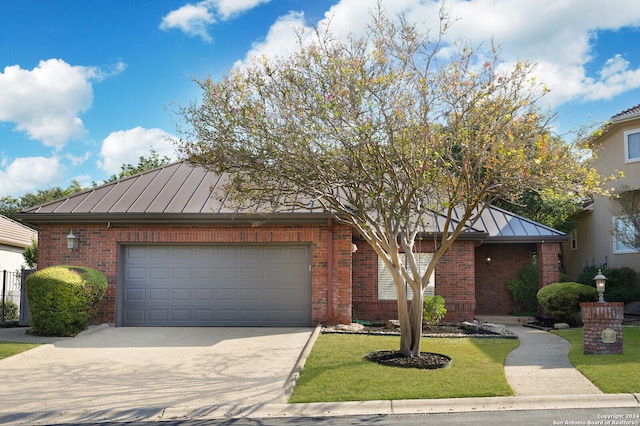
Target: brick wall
[455, 281]
[492, 295]
[98, 248]
[548, 265]
[597, 317]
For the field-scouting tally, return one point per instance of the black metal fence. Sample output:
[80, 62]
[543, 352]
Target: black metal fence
[11, 287]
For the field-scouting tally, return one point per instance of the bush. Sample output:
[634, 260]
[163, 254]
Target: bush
[524, 288]
[433, 309]
[11, 311]
[62, 299]
[562, 300]
[621, 283]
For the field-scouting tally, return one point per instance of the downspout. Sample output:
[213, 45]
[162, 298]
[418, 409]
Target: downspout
[329, 272]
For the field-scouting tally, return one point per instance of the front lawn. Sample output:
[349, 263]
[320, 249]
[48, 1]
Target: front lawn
[610, 373]
[8, 349]
[337, 371]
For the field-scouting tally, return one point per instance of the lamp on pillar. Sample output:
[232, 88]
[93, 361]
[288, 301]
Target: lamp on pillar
[600, 280]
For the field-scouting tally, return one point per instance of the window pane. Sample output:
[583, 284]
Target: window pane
[386, 288]
[631, 236]
[633, 146]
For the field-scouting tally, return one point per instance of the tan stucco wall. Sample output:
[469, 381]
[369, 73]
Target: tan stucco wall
[595, 242]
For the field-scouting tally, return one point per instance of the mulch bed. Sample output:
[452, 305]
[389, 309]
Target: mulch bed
[426, 360]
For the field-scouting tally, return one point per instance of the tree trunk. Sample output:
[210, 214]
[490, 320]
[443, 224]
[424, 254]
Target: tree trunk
[410, 324]
[415, 318]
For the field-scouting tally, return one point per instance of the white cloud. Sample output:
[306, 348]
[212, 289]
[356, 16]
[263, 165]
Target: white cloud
[29, 173]
[280, 40]
[127, 146]
[229, 8]
[190, 19]
[47, 101]
[194, 19]
[78, 160]
[557, 35]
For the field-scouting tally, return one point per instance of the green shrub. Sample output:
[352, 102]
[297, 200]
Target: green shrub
[621, 283]
[524, 288]
[562, 300]
[62, 299]
[433, 309]
[11, 311]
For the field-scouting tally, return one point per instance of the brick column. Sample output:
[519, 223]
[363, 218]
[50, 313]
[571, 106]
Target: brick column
[602, 327]
[548, 268]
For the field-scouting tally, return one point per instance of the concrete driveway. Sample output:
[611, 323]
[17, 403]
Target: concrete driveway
[146, 369]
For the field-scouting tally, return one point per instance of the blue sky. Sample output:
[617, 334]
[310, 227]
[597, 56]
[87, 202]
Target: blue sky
[87, 85]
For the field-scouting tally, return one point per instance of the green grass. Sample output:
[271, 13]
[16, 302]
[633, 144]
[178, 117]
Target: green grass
[337, 371]
[8, 349]
[610, 373]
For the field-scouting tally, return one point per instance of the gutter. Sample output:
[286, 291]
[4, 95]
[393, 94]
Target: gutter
[329, 273]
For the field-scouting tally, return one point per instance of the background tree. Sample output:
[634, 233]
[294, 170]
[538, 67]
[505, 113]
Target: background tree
[144, 163]
[385, 135]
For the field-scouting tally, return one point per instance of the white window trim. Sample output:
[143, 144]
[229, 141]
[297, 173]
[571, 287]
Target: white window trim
[616, 250]
[386, 287]
[573, 239]
[626, 146]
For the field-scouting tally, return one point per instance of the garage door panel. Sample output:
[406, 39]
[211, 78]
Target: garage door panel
[135, 294]
[217, 285]
[158, 294]
[136, 273]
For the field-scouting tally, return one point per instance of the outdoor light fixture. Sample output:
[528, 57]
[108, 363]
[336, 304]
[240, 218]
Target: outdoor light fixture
[488, 259]
[354, 248]
[72, 241]
[600, 283]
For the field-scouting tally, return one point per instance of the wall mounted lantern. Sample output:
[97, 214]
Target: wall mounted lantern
[600, 280]
[488, 259]
[72, 241]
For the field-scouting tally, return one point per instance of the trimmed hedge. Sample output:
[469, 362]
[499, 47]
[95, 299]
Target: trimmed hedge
[62, 299]
[562, 300]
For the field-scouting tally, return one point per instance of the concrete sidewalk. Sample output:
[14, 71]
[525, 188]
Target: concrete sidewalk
[537, 371]
[541, 366]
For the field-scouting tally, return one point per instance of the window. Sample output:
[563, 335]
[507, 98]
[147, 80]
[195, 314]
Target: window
[386, 287]
[573, 237]
[632, 145]
[625, 238]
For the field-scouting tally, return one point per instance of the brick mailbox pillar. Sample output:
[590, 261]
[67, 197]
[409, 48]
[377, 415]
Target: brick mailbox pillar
[602, 327]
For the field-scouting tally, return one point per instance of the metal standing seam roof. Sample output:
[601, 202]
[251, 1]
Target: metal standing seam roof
[15, 234]
[184, 193]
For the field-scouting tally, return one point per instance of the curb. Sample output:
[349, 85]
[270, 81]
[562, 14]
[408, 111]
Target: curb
[291, 381]
[330, 409]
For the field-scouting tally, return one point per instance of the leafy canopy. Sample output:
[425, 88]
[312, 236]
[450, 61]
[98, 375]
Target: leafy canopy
[386, 133]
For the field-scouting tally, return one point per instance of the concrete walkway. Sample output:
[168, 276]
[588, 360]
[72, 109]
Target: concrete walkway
[541, 366]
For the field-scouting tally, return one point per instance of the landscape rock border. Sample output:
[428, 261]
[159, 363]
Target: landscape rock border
[481, 330]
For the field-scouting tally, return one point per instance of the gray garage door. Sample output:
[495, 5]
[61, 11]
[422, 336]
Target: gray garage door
[221, 285]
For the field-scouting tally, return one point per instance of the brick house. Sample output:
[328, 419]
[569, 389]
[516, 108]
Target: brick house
[176, 254]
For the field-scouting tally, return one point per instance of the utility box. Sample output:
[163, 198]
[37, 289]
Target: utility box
[602, 327]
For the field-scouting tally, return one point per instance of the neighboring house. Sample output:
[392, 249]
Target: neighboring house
[591, 242]
[14, 238]
[175, 253]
